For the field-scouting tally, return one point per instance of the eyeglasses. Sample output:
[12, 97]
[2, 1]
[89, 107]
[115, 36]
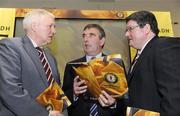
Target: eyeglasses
[130, 29]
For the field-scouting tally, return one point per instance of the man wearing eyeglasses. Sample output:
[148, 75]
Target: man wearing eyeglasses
[154, 78]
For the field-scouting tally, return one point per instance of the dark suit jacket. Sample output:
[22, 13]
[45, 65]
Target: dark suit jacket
[22, 78]
[82, 106]
[154, 83]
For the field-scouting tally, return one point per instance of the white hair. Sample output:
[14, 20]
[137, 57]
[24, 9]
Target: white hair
[34, 16]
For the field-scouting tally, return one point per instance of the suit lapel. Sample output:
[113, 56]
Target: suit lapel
[131, 73]
[83, 59]
[31, 51]
[140, 59]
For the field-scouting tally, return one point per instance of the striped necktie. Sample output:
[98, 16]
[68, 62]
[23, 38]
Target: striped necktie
[46, 65]
[134, 61]
[93, 106]
[93, 110]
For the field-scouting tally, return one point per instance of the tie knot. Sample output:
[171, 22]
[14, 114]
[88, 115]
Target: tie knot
[93, 57]
[137, 55]
[40, 50]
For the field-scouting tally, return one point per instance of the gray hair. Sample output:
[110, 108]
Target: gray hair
[33, 16]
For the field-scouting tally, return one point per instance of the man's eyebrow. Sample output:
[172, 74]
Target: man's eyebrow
[92, 34]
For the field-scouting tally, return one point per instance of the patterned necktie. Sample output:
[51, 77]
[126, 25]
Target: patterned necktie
[93, 108]
[46, 65]
[134, 61]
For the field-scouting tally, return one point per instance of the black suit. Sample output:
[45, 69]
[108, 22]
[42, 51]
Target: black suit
[82, 106]
[154, 83]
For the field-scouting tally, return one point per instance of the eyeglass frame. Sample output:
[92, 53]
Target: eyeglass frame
[130, 29]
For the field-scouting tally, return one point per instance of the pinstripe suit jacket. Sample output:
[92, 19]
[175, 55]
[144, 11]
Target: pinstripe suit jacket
[22, 78]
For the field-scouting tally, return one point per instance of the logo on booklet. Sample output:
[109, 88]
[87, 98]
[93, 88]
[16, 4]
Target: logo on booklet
[111, 78]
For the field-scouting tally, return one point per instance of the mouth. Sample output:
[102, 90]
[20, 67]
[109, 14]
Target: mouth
[86, 45]
[129, 39]
[51, 37]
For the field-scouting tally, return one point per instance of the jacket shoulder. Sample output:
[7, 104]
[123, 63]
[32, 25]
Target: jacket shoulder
[82, 59]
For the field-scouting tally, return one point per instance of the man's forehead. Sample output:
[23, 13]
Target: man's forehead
[91, 30]
[131, 22]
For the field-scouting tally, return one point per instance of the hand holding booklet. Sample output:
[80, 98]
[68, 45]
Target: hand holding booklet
[106, 73]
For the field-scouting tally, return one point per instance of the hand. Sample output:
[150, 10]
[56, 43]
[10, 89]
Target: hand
[55, 113]
[79, 86]
[106, 100]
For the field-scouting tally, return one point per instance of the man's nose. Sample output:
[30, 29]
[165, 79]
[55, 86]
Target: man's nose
[126, 34]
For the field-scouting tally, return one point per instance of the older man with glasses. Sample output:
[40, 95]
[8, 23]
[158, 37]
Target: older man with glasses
[154, 78]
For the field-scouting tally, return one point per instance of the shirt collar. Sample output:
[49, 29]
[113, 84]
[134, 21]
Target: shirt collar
[140, 51]
[33, 42]
[88, 58]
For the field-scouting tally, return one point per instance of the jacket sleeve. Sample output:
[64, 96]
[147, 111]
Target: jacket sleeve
[68, 82]
[167, 71]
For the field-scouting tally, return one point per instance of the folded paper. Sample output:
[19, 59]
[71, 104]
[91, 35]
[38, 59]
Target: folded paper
[53, 98]
[106, 73]
[131, 111]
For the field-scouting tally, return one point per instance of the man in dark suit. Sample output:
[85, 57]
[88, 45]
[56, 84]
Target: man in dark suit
[76, 89]
[22, 76]
[154, 77]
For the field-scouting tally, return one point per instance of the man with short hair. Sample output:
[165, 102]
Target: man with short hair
[76, 89]
[22, 75]
[154, 77]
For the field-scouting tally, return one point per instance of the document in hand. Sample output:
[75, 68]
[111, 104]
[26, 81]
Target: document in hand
[106, 73]
[53, 98]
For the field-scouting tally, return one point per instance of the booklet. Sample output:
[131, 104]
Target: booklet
[132, 111]
[106, 73]
[53, 98]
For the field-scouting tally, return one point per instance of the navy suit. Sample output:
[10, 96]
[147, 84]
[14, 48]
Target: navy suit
[154, 83]
[22, 78]
[81, 107]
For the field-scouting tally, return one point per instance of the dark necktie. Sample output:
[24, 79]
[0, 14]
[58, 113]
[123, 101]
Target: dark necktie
[93, 57]
[46, 65]
[93, 108]
[134, 61]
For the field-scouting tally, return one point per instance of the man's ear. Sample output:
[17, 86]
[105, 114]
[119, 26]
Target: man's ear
[34, 27]
[102, 41]
[147, 28]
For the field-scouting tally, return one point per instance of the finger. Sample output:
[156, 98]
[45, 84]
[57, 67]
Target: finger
[77, 92]
[82, 87]
[80, 83]
[103, 99]
[110, 99]
[82, 91]
[101, 102]
[106, 94]
[76, 79]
